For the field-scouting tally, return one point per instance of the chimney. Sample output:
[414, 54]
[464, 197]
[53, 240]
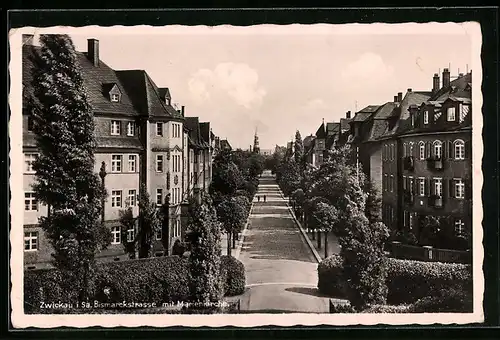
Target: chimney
[28, 39]
[182, 110]
[435, 82]
[400, 97]
[395, 99]
[93, 51]
[446, 77]
[348, 114]
[409, 90]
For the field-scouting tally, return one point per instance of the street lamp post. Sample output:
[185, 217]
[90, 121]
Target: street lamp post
[102, 174]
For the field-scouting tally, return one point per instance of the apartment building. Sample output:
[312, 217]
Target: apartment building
[141, 139]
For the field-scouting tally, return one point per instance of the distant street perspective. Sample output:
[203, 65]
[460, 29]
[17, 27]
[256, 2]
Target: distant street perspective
[281, 271]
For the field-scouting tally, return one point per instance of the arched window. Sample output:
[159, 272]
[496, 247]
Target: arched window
[438, 149]
[459, 149]
[410, 151]
[421, 150]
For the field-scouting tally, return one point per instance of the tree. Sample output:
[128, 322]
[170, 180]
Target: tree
[289, 178]
[298, 149]
[255, 165]
[226, 177]
[232, 215]
[373, 208]
[299, 198]
[204, 261]
[149, 223]
[128, 222]
[326, 217]
[65, 179]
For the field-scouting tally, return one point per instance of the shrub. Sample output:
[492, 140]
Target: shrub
[233, 276]
[330, 280]
[387, 309]
[451, 300]
[407, 281]
[159, 279]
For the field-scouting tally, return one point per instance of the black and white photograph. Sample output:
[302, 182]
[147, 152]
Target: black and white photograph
[324, 174]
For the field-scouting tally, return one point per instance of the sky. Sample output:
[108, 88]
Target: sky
[278, 81]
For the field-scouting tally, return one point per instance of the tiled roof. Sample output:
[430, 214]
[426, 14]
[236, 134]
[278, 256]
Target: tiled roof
[95, 80]
[205, 131]
[164, 93]
[321, 132]
[377, 129]
[195, 135]
[118, 142]
[308, 141]
[145, 94]
[344, 123]
[332, 128]
[385, 111]
[459, 87]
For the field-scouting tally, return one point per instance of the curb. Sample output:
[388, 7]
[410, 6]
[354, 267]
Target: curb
[242, 236]
[303, 232]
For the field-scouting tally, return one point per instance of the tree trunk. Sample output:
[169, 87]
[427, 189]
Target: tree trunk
[326, 244]
[319, 239]
[228, 244]
[235, 235]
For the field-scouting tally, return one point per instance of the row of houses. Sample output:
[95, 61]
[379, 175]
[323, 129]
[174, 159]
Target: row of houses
[141, 139]
[416, 149]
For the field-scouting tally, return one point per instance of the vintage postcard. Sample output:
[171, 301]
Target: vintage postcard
[246, 176]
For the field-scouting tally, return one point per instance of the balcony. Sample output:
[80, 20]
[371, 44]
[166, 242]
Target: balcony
[435, 163]
[409, 197]
[436, 201]
[409, 163]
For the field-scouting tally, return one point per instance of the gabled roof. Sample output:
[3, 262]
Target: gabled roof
[385, 111]
[94, 78]
[332, 128]
[308, 140]
[321, 132]
[145, 94]
[205, 132]
[365, 113]
[224, 144]
[164, 93]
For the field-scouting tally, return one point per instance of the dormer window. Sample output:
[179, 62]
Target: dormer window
[113, 92]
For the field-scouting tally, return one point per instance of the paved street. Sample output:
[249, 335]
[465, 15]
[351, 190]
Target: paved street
[280, 268]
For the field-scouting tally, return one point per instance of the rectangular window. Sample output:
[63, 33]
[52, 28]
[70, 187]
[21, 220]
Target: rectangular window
[30, 201]
[130, 128]
[130, 234]
[31, 241]
[116, 198]
[132, 163]
[451, 114]
[421, 186]
[116, 163]
[459, 150]
[411, 185]
[459, 188]
[115, 127]
[116, 235]
[159, 129]
[132, 198]
[115, 98]
[459, 227]
[159, 196]
[29, 158]
[438, 187]
[426, 117]
[30, 123]
[159, 163]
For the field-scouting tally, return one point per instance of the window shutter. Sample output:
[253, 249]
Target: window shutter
[444, 186]
[427, 186]
[450, 149]
[428, 149]
[468, 151]
[451, 188]
[468, 189]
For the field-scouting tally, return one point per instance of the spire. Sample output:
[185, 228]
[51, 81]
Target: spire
[256, 148]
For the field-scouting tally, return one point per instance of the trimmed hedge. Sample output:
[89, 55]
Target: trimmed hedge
[159, 279]
[233, 276]
[407, 281]
[449, 300]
